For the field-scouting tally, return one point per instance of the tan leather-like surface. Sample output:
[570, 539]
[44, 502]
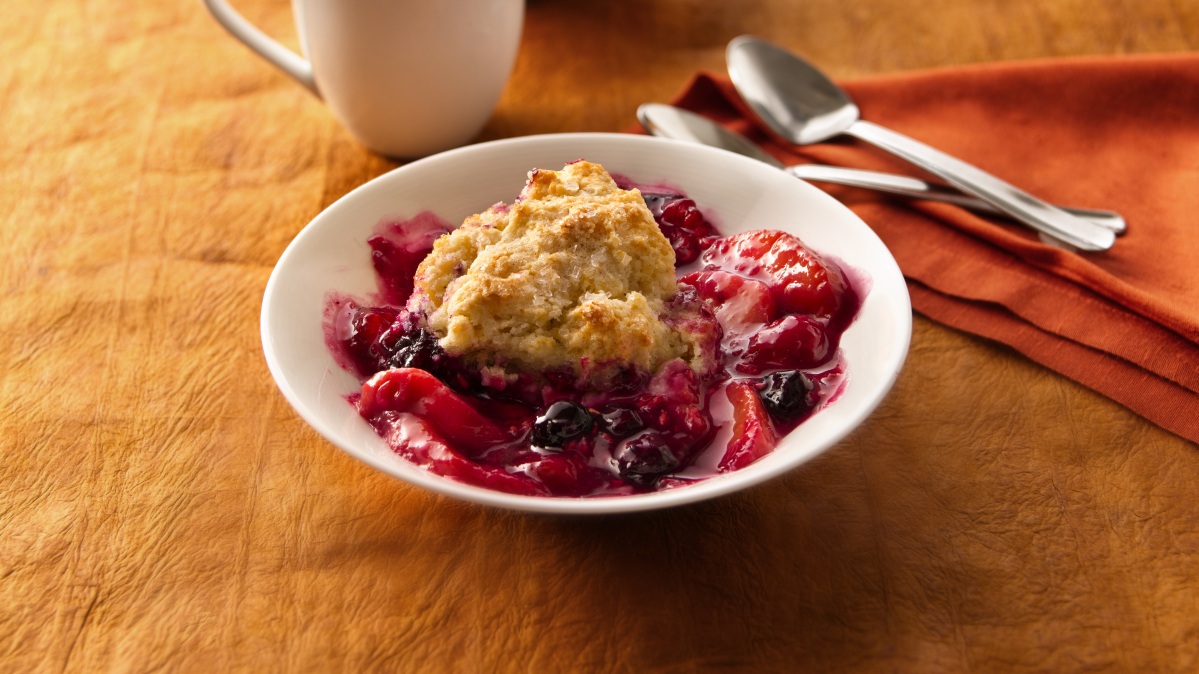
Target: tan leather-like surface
[163, 509]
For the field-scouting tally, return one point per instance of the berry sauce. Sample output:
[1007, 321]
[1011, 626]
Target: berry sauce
[781, 309]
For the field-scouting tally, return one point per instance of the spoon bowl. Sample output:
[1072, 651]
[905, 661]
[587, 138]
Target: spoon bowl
[798, 103]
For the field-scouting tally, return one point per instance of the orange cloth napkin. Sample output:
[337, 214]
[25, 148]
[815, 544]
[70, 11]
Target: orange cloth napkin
[1114, 133]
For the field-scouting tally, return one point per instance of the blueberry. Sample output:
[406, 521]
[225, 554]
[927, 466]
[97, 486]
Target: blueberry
[563, 421]
[622, 422]
[788, 394]
[416, 348]
[644, 459]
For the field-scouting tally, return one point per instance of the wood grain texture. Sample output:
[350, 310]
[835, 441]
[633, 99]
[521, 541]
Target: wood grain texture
[163, 509]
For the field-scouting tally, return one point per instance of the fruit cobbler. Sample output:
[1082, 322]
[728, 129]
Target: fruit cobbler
[590, 339]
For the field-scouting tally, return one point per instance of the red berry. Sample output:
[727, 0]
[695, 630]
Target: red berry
[682, 428]
[358, 330]
[739, 303]
[420, 442]
[419, 393]
[676, 382]
[681, 223]
[790, 343]
[686, 246]
[567, 475]
[802, 283]
[683, 213]
[753, 436]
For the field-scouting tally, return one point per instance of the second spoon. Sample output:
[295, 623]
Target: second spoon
[668, 121]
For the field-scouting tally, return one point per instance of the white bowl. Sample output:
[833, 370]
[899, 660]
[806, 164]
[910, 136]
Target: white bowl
[734, 192]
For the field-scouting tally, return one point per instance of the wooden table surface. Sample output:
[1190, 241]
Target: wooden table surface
[163, 508]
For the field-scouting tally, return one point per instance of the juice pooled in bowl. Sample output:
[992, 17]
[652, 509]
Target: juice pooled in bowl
[590, 340]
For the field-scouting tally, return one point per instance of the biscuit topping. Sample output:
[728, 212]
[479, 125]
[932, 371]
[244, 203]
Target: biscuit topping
[575, 275]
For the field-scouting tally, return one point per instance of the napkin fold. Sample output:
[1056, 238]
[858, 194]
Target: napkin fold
[1120, 133]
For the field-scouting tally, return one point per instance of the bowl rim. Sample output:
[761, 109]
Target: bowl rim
[708, 488]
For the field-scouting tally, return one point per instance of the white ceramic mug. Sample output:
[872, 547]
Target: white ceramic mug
[407, 77]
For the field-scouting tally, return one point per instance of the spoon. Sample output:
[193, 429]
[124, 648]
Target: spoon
[801, 104]
[668, 121]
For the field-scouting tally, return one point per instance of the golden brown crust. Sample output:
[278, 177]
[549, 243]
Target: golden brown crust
[575, 274]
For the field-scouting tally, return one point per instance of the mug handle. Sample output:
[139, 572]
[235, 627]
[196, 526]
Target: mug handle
[281, 57]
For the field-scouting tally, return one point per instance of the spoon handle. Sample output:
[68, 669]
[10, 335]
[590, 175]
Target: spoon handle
[919, 189]
[1011, 200]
